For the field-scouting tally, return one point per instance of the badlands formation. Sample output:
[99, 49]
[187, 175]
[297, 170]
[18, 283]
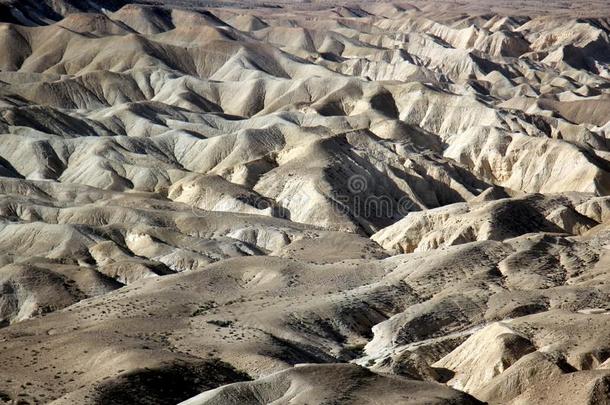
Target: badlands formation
[306, 203]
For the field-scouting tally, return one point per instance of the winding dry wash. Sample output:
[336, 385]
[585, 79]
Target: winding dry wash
[236, 203]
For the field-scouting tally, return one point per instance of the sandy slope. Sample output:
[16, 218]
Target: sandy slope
[304, 203]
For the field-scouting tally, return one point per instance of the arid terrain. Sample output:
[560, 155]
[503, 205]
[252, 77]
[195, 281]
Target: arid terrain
[282, 202]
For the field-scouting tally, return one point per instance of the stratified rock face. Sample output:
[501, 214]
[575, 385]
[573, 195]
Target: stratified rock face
[304, 202]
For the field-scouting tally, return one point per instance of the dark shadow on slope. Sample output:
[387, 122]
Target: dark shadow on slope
[170, 384]
[7, 169]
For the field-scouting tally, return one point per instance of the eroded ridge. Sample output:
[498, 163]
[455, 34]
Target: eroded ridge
[248, 203]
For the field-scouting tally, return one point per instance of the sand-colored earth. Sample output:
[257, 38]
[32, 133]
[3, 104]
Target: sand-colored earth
[281, 202]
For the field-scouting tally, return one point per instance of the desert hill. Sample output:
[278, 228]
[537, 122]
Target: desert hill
[225, 202]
